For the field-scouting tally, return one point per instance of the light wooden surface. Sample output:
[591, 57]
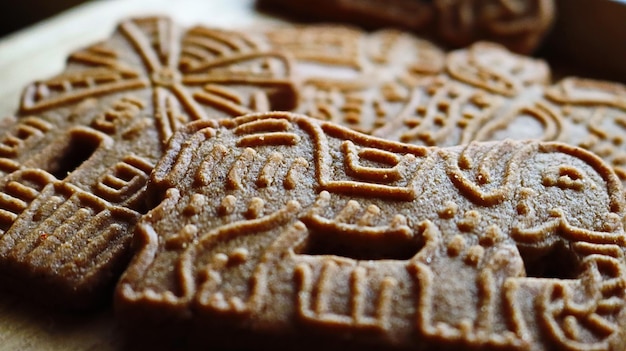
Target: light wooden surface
[39, 52]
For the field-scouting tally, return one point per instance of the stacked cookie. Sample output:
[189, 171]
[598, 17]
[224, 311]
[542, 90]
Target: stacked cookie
[518, 24]
[381, 211]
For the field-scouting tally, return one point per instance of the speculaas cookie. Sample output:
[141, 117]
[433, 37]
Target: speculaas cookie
[520, 25]
[396, 86]
[74, 165]
[276, 227]
[373, 83]
[354, 78]
[487, 93]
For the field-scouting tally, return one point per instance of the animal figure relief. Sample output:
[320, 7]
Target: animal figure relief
[283, 220]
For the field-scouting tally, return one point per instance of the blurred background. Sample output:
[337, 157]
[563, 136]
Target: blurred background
[17, 14]
[588, 38]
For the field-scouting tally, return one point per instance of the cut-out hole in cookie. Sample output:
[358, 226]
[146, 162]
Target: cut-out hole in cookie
[78, 148]
[5, 223]
[558, 262]
[335, 244]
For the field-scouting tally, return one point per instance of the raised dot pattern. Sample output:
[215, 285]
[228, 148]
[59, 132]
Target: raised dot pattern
[484, 92]
[97, 129]
[379, 249]
[487, 93]
[480, 93]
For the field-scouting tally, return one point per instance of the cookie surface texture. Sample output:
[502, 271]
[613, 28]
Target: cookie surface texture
[396, 86]
[281, 227]
[487, 93]
[471, 98]
[355, 78]
[74, 164]
[520, 25]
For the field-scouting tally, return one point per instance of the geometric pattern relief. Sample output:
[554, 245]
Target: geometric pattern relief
[395, 86]
[487, 93]
[88, 138]
[353, 78]
[100, 126]
[308, 227]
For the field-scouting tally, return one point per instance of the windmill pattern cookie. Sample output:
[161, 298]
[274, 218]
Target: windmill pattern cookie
[520, 25]
[278, 225]
[74, 165]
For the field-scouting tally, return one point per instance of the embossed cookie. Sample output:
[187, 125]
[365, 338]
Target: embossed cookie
[386, 83]
[276, 227]
[74, 165]
[520, 25]
[487, 93]
[353, 78]
[477, 88]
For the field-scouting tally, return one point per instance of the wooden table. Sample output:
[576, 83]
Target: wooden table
[39, 52]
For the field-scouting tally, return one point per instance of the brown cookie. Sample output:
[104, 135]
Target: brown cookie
[486, 93]
[520, 25]
[353, 78]
[374, 82]
[479, 84]
[276, 227]
[74, 165]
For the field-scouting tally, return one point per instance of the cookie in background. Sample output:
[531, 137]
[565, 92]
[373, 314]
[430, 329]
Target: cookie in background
[520, 25]
[279, 228]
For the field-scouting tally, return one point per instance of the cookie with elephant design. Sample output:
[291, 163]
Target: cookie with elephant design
[279, 228]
